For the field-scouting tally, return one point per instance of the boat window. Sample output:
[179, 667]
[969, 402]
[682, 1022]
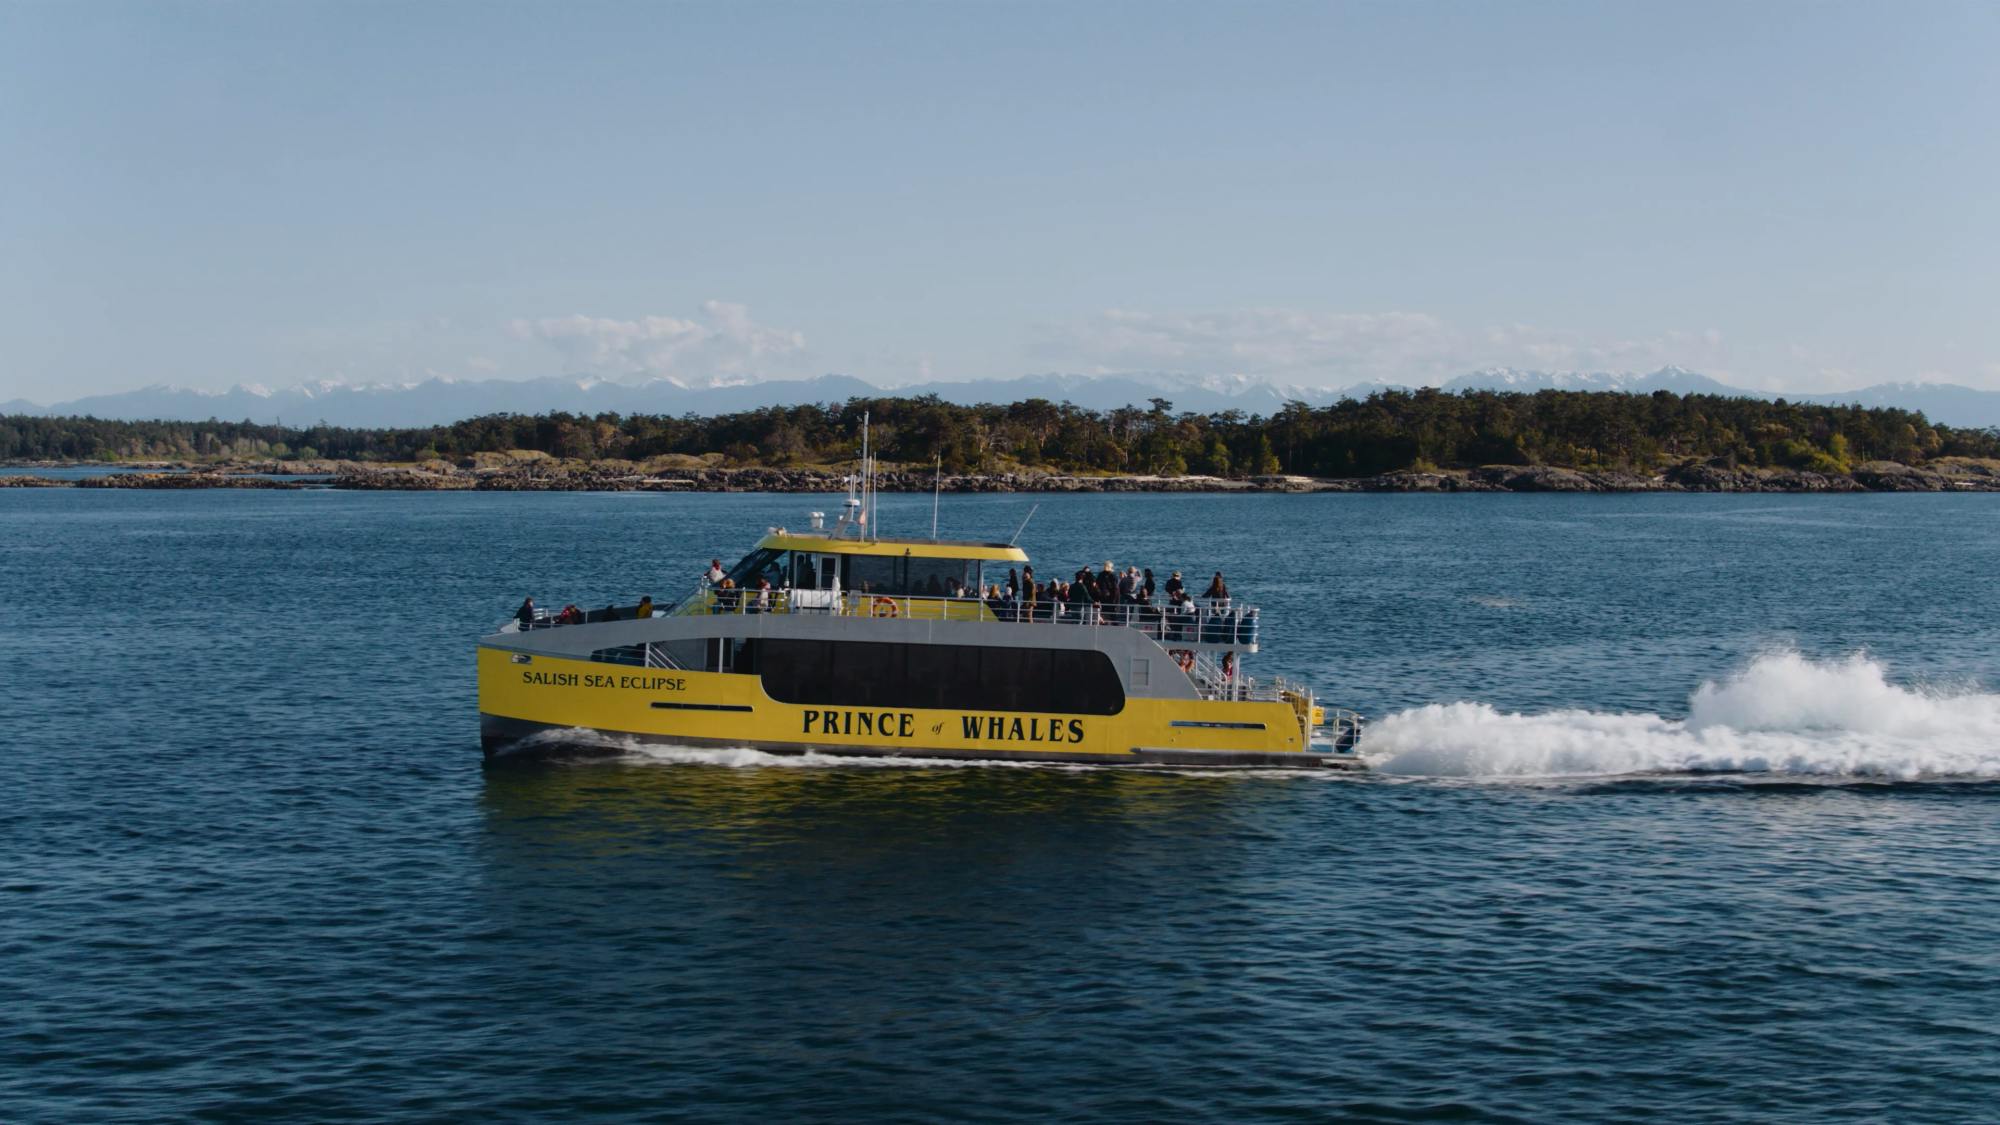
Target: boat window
[765, 563]
[1081, 679]
[940, 677]
[1015, 679]
[933, 577]
[874, 574]
[914, 577]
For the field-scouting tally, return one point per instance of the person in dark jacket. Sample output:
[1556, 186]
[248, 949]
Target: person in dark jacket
[1146, 587]
[1080, 599]
[526, 614]
[1174, 585]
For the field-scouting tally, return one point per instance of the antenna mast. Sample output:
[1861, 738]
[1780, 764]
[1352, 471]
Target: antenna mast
[1024, 524]
[867, 483]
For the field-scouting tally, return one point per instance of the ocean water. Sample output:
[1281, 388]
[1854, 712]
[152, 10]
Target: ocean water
[1687, 808]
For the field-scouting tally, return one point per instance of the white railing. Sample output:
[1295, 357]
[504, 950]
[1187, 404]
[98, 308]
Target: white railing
[1209, 625]
[1340, 729]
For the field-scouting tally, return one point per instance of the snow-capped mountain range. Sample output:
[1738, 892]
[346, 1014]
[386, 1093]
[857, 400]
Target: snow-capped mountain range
[440, 400]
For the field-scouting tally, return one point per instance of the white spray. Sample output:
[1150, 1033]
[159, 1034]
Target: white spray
[1783, 713]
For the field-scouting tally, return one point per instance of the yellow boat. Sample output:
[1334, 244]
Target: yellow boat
[857, 647]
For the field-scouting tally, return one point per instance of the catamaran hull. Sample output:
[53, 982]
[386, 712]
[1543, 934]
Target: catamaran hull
[519, 740]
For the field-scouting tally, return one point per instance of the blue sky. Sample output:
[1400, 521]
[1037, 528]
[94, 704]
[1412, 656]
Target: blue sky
[1787, 195]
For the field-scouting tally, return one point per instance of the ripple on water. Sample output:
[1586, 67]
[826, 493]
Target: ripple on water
[249, 865]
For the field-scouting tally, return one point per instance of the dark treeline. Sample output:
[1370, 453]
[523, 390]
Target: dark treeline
[1387, 431]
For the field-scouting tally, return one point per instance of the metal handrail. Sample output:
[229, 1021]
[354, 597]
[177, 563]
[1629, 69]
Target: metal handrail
[1196, 625]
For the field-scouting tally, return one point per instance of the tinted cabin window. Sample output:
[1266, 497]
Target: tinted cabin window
[896, 576]
[759, 564]
[933, 577]
[874, 574]
[944, 677]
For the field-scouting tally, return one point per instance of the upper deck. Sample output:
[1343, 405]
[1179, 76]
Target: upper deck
[945, 580]
[1193, 627]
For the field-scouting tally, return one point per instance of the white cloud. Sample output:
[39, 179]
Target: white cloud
[1338, 348]
[723, 340]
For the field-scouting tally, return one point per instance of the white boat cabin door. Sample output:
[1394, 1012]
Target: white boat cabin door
[815, 581]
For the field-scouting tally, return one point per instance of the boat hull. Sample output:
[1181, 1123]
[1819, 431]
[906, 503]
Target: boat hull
[548, 706]
[516, 740]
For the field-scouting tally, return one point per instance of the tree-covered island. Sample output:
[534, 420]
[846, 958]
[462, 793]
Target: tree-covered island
[1393, 439]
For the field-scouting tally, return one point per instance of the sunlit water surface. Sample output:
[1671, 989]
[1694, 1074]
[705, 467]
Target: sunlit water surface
[1687, 807]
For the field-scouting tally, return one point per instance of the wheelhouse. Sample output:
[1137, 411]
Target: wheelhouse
[815, 571]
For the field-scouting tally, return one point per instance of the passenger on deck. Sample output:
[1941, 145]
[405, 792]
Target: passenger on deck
[1146, 587]
[715, 575]
[1013, 583]
[526, 614]
[728, 597]
[1174, 585]
[1080, 599]
[645, 609]
[763, 601]
[1217, 593]
[570, 615]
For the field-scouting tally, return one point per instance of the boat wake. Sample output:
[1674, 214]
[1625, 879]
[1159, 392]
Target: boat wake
[1782, 714]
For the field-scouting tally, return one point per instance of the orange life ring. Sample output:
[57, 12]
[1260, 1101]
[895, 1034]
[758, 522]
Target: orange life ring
[875, 607]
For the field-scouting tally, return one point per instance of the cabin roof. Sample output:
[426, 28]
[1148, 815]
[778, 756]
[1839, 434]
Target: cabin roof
[915, 548]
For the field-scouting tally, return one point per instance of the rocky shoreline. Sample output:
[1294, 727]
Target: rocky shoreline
[490, 474]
